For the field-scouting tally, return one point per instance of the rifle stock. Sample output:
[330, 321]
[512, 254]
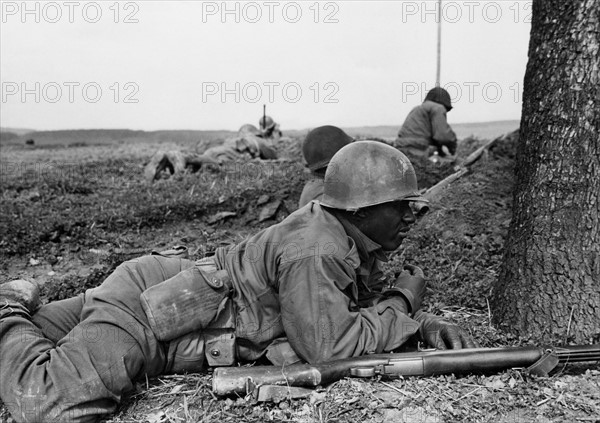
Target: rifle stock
[539, 360]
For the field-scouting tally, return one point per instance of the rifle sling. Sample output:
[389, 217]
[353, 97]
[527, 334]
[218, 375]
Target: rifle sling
[544, 365]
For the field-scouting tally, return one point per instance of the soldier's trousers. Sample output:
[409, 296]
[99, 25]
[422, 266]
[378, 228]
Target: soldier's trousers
[74, 359]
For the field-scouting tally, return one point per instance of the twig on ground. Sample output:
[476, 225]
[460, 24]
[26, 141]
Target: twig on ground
[569, 325]
[543, 401]
[397, 390]
[489, 311]
[469, 393]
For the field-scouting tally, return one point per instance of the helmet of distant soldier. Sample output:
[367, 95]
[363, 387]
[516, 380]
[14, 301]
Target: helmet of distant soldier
[266, 122]
[440, 96]
[321, 144]
[248, 129]
[367, 173]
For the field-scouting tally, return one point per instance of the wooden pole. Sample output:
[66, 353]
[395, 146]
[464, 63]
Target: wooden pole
[439, 45]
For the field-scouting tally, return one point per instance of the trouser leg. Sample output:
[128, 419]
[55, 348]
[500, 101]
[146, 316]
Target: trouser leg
[85, 374]
[413, 146]
[58, 318]
[79, 379]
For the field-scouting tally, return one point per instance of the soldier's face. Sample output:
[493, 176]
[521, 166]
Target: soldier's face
[388, 224]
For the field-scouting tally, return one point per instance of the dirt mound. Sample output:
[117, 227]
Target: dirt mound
[460, 241]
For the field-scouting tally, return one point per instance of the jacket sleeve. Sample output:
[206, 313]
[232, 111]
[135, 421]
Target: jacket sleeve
[441, 131]
[318, 319]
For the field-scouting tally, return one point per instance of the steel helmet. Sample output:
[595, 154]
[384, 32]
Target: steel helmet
[440, 96]
[248, 129]
[266, 122]
[367, 173]
[321, 144]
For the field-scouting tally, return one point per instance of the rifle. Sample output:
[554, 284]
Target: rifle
[259, 381]
[462, 169]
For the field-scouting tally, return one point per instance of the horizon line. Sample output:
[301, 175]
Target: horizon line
[31, 130]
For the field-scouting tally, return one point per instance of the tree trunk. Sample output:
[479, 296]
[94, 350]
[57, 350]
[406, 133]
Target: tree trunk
[549, 283]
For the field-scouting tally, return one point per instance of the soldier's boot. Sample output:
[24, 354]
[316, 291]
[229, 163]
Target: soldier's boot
[19, 294]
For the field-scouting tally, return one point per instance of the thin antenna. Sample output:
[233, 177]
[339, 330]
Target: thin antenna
[439, 45]
[264, 116]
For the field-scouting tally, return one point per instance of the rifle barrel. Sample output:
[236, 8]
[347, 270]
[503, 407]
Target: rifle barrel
[228, 380]
[578, 353]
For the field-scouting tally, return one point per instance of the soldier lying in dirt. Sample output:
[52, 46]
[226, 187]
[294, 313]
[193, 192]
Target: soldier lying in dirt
[309, 288]
[250, 143]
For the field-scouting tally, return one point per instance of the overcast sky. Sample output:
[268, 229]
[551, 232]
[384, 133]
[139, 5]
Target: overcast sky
[212, 65]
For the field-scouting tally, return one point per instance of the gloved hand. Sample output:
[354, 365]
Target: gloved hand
[446, 147]
[452, 147]
[410, 285]
[440, 334]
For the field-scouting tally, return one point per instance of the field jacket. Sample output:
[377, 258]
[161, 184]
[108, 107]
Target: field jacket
[312, 283]
[425, 126]
[313, 190]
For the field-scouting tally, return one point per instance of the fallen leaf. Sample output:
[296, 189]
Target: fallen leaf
[316, 397]
[156, 417]
[176, 389]
[263, 199]
[269, 210]
[560, 385]
[220, 216]
[494, 383]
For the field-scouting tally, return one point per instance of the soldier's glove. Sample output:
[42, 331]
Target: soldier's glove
[410, 285]
[440, 334]
[452, 147]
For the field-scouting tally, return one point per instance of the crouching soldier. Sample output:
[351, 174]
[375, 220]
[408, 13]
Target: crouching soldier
[425, 130]
[309, 288]
[318, 148]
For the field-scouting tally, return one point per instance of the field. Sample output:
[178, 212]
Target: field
[75, 205]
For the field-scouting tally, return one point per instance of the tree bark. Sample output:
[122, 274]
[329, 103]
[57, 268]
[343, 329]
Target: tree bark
[549, 282]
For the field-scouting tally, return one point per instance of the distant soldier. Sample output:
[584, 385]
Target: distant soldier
[268, 128]
[318, 148]
[426, 129]
[250, 143]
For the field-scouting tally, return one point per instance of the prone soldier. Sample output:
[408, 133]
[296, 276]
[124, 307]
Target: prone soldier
[309, 288]
[249, 143]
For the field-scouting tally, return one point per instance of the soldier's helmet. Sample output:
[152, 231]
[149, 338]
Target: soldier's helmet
[266, 122]
[248, 129]
[441, 96]
[367, 173]
[321, 144]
